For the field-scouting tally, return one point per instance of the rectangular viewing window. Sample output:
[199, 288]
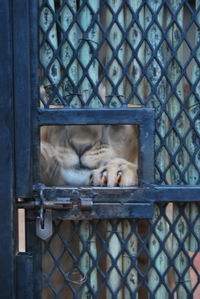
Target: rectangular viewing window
[89, 155]
[97, 148]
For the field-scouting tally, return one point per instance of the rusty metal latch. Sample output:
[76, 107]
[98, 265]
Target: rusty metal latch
[86, 204]
[44, 221]
[44, 225]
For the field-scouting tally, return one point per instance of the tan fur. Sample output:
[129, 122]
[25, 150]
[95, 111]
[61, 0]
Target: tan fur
[100, 155]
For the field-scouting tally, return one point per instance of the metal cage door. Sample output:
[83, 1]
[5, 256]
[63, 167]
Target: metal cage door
[103, 62]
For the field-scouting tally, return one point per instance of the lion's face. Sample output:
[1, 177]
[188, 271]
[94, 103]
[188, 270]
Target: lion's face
[79, 149]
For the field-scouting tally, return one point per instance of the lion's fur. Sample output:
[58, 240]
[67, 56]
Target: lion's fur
[103, 155]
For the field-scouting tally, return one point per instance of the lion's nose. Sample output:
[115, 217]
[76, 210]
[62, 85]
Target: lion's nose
[80, 147]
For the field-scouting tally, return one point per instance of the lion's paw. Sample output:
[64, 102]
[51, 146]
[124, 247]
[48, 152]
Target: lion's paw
[115, 173]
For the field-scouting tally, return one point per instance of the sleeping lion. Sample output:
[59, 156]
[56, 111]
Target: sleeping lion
[95, 155]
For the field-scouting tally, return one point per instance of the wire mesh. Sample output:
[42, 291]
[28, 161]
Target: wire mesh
[118, 53]
[125, 259]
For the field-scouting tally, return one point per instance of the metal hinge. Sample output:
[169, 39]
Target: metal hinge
[44, 221]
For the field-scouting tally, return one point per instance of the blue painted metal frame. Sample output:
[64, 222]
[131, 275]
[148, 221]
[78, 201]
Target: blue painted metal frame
[63, 116]
[143, 117]
[28, 98]
[7, 248]
[19, 138]
[28, 154]
[22, 95]
[151, 193]
[24, 275]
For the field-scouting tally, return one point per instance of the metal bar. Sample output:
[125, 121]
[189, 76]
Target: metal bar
[152, 193]
[22, 94]
[24, 269]
[110, 211]
[70, 204]
[7, 274]
[146, 152]
[35, 98]
[93, 116]
[52, 204]
[35, 247]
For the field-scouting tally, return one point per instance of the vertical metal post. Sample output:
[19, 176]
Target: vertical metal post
[6, 155]
[34, 245]
[22, 96]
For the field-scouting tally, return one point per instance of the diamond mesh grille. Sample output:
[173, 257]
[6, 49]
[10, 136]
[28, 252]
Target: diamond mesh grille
[154, 258]
[116, 53]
